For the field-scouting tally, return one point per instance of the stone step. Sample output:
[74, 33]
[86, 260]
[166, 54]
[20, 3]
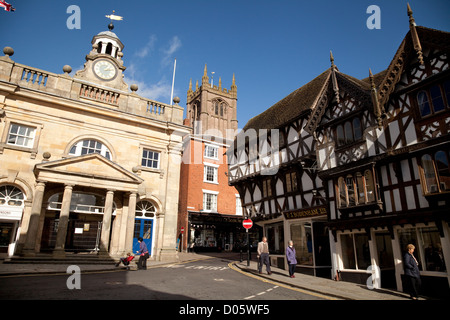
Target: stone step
[68, 259]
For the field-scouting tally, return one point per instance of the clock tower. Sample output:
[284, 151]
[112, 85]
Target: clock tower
[104, 64]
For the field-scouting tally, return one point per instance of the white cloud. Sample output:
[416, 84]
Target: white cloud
[149, 47]
[174, 45]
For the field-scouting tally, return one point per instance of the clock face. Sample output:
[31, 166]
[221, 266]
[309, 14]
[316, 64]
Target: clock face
[105, 70]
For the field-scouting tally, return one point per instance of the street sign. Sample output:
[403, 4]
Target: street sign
[182, 229]
[247, 223]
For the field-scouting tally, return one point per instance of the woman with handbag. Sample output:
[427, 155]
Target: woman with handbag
[291, 258]
[143, 255]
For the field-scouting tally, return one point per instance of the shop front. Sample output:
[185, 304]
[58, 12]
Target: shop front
[309, 233]
[216, 232]
[11, 210]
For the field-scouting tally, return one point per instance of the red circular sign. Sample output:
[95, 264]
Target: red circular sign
[247, 223]
[182, 229]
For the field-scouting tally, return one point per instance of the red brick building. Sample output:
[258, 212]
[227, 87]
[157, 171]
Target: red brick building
[209, 209]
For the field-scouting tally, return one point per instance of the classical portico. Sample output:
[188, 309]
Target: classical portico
[93, 173]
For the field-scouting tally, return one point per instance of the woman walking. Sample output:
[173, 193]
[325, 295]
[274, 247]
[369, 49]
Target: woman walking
[412, 272]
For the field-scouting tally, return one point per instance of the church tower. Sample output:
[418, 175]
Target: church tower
[211, 107]
[209, 209]
[104, 63]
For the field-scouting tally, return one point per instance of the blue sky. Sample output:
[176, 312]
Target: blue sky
[272, 47]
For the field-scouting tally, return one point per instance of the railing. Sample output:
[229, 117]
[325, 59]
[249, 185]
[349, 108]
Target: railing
[34, 77]
[65, 86]
[99, 94]
[155, 108]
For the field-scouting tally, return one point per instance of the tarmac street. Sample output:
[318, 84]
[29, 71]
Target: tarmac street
[208, 276]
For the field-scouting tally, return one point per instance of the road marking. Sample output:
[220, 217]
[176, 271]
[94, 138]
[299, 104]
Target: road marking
[231, 266]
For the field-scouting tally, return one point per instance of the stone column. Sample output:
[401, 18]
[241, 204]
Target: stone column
[130, 222]
[63, 222]
[29, 248]
[168, 222]
[106, 224]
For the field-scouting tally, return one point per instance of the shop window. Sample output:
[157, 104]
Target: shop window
[150, 159]
[355, 251]
[21, 135]
[350, 132]
[301, 235]
[11, 196]
[275, 238]
[428, 247]
[356, 189]
[436, 172]
[89, 146]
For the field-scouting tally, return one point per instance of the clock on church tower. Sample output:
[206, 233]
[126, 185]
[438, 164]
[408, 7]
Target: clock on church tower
[104, 64]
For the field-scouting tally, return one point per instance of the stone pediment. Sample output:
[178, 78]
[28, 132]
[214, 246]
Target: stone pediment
[92, 170]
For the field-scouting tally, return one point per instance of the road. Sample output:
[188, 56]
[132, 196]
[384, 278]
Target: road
[206, 279]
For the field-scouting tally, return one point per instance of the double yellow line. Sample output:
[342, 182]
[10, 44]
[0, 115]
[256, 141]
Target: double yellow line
[315, 294]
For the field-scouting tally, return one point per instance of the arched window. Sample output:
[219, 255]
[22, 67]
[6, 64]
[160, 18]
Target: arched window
[357, 129]
[109, 48]
[89, 146]
[145, 209]
[11, 196]
[99, 47]
[216, 108]
[348, 132]
[436, 98]
[424, 105]
[356, 189]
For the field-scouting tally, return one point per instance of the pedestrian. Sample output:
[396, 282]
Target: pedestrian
[263, 255]
[412, 272]
[126, 261]
[291, 258]
[143, 255]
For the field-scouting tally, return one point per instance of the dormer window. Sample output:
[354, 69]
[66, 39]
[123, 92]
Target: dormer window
[349, 132]
[434, 99]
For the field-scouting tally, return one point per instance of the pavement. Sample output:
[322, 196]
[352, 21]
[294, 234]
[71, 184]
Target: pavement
[321, 287]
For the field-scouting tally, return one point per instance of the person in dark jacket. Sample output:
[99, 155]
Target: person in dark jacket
[412, 272]
[291, 258]
[143, 255]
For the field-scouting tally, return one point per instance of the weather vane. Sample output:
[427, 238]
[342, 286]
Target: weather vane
[113, 17]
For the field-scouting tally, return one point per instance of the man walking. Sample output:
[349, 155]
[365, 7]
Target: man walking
[263, 254]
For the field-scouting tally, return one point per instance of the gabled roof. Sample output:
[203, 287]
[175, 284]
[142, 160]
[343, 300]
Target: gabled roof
[307, 97]
[292, 106]
[88, 170]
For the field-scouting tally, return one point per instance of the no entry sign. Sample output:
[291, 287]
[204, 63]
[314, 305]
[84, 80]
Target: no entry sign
[247, 223]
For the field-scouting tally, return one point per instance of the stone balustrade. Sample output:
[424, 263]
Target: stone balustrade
[65, 86]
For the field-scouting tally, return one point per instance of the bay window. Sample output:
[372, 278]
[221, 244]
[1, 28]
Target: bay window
[356, 189]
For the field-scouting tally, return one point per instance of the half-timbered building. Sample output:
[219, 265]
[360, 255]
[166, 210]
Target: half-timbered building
[373, 156]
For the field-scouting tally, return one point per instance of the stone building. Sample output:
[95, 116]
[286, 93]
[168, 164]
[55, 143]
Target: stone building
[85, 164]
